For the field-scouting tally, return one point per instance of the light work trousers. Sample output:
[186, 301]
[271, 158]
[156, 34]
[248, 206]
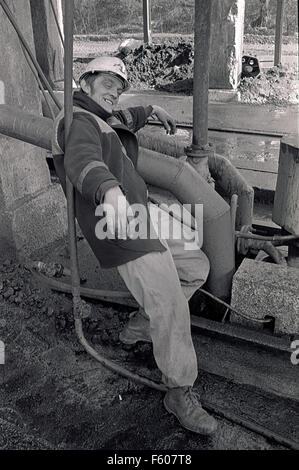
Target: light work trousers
[162, 283]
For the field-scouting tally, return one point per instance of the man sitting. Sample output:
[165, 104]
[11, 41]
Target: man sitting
[100, 158]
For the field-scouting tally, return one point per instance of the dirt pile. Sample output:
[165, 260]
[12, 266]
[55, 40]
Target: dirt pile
[37, 303]
[277, 85]
[160, 65]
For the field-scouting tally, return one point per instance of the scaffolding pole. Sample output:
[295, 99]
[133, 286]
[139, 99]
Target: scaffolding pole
[147, 33]
[200, 149]
[278, 32]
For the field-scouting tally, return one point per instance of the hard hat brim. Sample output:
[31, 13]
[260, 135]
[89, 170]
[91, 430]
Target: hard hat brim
[125, 82]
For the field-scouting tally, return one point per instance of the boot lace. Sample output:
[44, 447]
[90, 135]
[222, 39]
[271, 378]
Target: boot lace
[192, 397]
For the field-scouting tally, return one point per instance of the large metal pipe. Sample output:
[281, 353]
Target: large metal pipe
[225, 174]
[167, 172]
[180, 178]
[16, 123]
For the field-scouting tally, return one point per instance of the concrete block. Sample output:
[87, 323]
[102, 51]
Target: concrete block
[23, 170]
[35, 223]
[263, 289]
[20, 87]
[32, 211]
[226, 43]
[286, 202]
[47, 215]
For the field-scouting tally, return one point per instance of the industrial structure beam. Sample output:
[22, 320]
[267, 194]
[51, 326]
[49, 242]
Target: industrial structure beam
[200, 149]
[278, 32]
[147, 33]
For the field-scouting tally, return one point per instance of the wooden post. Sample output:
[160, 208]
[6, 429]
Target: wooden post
[278, 32]
[147, 33]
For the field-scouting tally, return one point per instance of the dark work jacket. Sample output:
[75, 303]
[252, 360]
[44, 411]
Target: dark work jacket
[101, 154]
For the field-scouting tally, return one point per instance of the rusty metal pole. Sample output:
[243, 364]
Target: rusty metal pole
[68, 117]
[200, 149]
[147, 33]
[278, 32]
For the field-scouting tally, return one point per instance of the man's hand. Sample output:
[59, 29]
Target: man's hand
[167, 121]
[118, 212]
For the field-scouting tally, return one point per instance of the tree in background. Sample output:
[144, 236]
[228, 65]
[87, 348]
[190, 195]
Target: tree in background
[291, 17]
[262, 14]
[171, 16]
[104, 17]
[262, 19]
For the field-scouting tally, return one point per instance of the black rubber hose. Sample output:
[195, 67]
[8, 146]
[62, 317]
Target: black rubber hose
[125, 298]
[111, 365]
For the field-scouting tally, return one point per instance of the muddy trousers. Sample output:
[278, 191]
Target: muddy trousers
[162, 283]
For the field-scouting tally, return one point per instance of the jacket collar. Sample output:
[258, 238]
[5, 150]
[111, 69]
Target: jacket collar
[83, 101]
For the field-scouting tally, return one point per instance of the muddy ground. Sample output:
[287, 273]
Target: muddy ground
[53, 395]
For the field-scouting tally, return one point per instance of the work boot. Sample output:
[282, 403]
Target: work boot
[137, 329]
[185, 404]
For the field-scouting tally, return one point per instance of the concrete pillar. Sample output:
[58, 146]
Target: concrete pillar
[226, 43]
[48, 45]
[32, 210]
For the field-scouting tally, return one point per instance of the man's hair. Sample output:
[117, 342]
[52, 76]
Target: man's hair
[90, 78]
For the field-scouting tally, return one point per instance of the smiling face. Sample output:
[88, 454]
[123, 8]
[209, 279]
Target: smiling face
[105, 90]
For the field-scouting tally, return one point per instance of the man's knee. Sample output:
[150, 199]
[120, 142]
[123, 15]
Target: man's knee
[194, 268]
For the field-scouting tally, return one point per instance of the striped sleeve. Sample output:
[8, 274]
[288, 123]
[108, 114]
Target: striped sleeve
[134, 118]
[83, 160]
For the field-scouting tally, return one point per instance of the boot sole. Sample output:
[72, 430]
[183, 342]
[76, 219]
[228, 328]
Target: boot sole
[204, 433]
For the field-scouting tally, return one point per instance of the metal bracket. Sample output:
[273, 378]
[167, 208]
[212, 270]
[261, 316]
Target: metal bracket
[198, 152]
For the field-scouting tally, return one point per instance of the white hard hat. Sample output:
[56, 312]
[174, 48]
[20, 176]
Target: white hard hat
[107, 64]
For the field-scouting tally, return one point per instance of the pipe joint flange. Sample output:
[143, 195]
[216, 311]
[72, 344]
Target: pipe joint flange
[243, 244]
[197, 152]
